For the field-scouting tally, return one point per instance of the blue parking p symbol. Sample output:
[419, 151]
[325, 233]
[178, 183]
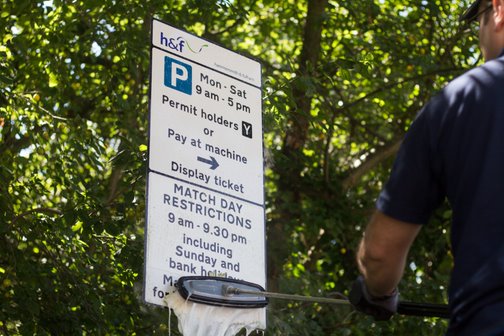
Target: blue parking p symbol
[178, 75]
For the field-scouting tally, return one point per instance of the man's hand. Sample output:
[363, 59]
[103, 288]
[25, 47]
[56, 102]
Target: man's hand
[381, 308]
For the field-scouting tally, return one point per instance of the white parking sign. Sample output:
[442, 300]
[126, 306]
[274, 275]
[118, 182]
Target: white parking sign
[205, 194]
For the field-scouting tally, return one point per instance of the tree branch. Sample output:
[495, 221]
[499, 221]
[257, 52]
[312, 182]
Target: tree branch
[37, 210]
[373, 160]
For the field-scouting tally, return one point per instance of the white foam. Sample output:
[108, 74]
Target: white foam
[197, 319]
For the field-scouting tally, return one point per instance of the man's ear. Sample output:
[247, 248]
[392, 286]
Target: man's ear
[498, 12]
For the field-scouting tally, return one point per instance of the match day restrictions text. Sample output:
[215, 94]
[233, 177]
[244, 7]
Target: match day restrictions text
[225, 216]
[205, 233]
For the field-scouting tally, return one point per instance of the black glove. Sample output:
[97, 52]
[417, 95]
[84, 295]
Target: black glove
[381, 308]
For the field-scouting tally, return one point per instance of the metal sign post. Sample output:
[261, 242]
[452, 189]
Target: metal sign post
[205, 194]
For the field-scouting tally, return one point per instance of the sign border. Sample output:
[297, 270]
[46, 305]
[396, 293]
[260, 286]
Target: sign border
[148, 170]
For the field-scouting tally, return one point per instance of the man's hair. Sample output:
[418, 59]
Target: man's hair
[486, 15]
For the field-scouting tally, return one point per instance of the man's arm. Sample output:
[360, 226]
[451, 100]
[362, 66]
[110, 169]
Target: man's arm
[382, 252]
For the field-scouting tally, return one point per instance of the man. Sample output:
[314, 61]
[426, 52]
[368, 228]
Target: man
[454, 149]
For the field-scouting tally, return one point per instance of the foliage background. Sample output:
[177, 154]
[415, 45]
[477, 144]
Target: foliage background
[342, 82]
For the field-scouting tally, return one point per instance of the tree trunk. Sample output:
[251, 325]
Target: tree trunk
[288, 165]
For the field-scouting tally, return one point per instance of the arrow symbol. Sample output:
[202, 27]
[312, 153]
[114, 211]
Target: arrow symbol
[212, 162]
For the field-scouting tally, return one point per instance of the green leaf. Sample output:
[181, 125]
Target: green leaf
[77, 226]
[53, 80]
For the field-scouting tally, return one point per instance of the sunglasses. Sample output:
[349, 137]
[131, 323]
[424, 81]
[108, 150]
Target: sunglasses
[476, 16]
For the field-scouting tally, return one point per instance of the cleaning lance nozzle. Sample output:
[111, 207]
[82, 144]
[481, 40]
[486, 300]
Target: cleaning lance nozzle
[228, 290]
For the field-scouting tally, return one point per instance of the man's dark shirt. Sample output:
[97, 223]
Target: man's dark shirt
[455, 149]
